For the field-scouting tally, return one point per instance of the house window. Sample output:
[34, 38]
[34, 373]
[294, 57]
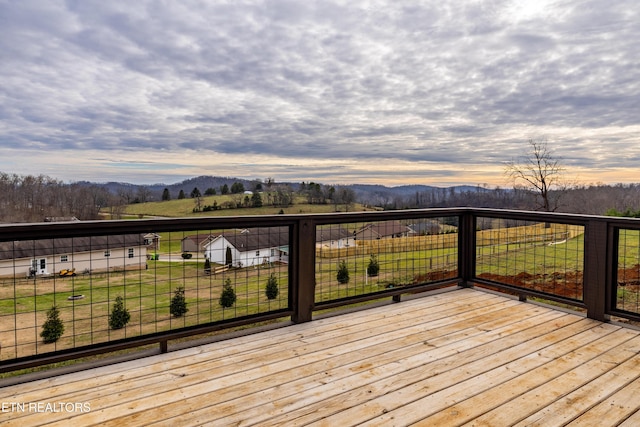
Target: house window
[64, 258]
[257, 253]
[130, 252]
[273, 252]
[107, 253]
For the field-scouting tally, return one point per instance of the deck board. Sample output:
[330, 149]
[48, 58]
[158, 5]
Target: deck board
[465, 357]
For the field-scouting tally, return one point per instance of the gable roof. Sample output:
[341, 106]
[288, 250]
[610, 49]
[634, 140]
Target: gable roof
[383, 229]
[44, 247]
[257, 238]
[331, 233]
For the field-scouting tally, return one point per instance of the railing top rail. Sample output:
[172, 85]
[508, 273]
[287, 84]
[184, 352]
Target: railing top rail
[569, 218]
[20, 231]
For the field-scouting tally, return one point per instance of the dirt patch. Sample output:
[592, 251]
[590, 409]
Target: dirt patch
[629, 276]
[434, 276]
[565, 284]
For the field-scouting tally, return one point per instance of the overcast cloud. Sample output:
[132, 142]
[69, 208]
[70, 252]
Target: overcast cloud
[391, 92]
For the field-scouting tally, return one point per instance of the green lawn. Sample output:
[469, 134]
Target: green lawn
[184, 208]
[147, 295]
[531, 257]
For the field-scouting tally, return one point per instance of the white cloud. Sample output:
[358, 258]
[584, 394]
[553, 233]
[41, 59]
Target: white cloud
[429, 91]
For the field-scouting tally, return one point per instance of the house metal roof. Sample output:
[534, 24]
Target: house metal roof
[253, 239]
[45, 247]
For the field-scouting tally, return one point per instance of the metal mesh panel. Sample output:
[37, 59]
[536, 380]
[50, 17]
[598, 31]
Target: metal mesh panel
[367, 257]
[628, 271]
[544, 257]
[165, 284]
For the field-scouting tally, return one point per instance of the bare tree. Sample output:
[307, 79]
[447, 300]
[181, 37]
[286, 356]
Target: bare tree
[540, 173]
[143, 194]
[345, 196]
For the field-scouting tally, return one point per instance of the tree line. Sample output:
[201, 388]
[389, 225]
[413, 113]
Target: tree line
[589, 199]
[40, 198]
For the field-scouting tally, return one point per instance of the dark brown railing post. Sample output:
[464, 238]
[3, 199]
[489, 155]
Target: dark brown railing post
[467, 248]
[596, 255]
[303, 273]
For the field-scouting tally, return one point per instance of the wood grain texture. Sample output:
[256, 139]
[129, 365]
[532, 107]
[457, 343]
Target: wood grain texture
[466, 357]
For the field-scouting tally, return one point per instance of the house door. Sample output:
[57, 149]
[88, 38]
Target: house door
[39, 266]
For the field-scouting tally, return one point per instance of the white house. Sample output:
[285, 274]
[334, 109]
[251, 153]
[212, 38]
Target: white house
[50, 256]
[333, 237]
[249, 247]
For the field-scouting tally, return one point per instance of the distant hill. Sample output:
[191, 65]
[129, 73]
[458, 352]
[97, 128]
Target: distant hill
[366, 193]
[201, 182]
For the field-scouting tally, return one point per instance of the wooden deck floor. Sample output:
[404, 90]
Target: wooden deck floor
[465, 357]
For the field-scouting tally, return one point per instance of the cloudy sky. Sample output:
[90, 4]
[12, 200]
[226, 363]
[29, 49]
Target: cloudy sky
[391, 92]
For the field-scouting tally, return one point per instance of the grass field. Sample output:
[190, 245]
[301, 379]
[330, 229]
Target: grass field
[147, 295]
[184, 208]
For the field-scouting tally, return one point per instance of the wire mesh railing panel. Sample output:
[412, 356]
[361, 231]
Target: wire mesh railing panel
[628, 271]
[539, 256]
[361, 258]
[67, 293]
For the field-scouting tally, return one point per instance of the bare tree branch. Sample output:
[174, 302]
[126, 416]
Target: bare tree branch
[540, 173]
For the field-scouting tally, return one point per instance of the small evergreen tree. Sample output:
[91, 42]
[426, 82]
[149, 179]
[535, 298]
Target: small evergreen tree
[178, 305]
[373, 268]
[53, 328]
[256, 200]
[343, 273]
[181, 195]
[271, 290]
[165, 195]
[224, 189]
[228, 296]
[237, 188]
[119, 314]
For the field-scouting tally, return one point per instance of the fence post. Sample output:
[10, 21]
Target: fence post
[596, 258]
[303, 270]
[467, 248]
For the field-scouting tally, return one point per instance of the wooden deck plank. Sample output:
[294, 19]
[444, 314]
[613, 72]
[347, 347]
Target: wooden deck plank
[445, 385]
[559, 366]
[632, 421]
[615, 408]
[359, 397]
[460, 357]
[525, 405]
[326, 375]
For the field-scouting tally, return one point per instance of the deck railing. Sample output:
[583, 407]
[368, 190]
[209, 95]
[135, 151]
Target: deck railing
[121, 284]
